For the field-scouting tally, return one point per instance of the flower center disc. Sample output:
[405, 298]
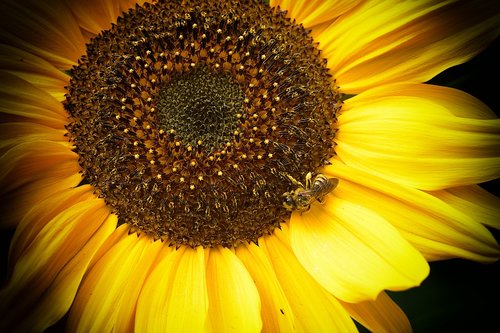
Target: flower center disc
[189, 118]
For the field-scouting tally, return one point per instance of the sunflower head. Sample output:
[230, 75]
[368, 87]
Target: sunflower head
[190, 118]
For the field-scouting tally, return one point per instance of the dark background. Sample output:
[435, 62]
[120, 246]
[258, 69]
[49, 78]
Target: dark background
[459, 295]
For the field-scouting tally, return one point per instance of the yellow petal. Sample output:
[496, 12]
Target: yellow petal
[12, 134]
[97, 15]
[45, 28]
[390, 41]
[174, 297]
[314, 12]
[35, 70]
[416, 140]
[314, 309]
[234, 303]
[435, 228]
[41, 212]
[31, 161]
[54, 247]
[57, 299]
[381, 315]
[107, 298]
[277, 315]
[23, 102]
[474, 201]
[353, 252]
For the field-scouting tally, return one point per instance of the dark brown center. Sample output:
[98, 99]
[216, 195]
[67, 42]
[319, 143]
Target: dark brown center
[189, 117]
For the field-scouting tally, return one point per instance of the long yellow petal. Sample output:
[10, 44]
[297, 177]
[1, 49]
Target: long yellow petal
[391, 41]
[54, 247]
[34, 69]
[314, 309]
[21, 101]
[434, 227]
[12, 134]
[106, 300]
[174, 297]
[31, 161]
[474, 201]
[277, 315]
[42, 212]
[314, 12]
[381, 315]
[234, 302]
[57, 299]
[353, 252]
[45, 28]
[417, 140]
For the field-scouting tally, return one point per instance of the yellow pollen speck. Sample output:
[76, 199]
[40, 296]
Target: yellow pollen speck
[200, 178]
[149, 99]
[255, 128]
[194, 26]
[193, 163]
[174, 169]
[247, 100]
[274, 128]
[181, 179]
[148, 127]
[135, 118]
[181, 37]
[158, 176]
[199, 142]
[264, 96]
[217, 65]
[146, 65]
[136, 143]
[235, 166]
[219, 31]
[236, 133]
[137, 58]
[125, 130]
[259, 157]
[123, 99]
[152, 162]
[266, 141]
[189, 148]
[263, 56]
[244, 156]
[269, 155]
[151, 150]
[162, 54]
[212, 50]
[133, 85]
[255, 115]
[242, 67]
[238, 115]
[261, 71]
[148, 52]
[275, 84]
[152, 109]
[165, 66]
[193, 64]
[136, 156]
[131, 70]
[177, 53]
[172, 131]
[251, 140]
[123, 107]
[277, 98]
[161, 131]
[247, 54]
[191, 187]
[211, 158]
[117, 116]
[153, 80]
[204, 36]
[228, 144]
[177, 143]
[230, 52]
[228, 38]
[273, 109]
[219, 173]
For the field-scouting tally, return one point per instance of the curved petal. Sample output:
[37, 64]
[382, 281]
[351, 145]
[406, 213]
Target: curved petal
[12, 134]
[484, 206]
[315, 310]
[32, 171]
[21, 101]
[314, 12]
[353, 252]
[234, 302]
[96, 15]
[34, 69]
[435, 228]
[56, 247]
[106, 300]
[57, 299]
[37, 160]
[45, 28]
[174, 297]
[417, 140]
[391, 41]
[381, 315]
[42, 212]
[277, 315]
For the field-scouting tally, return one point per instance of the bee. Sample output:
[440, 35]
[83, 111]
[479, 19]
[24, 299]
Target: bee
[314, 190]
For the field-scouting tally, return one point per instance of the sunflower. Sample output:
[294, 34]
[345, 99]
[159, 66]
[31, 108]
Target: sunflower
[238, 166]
